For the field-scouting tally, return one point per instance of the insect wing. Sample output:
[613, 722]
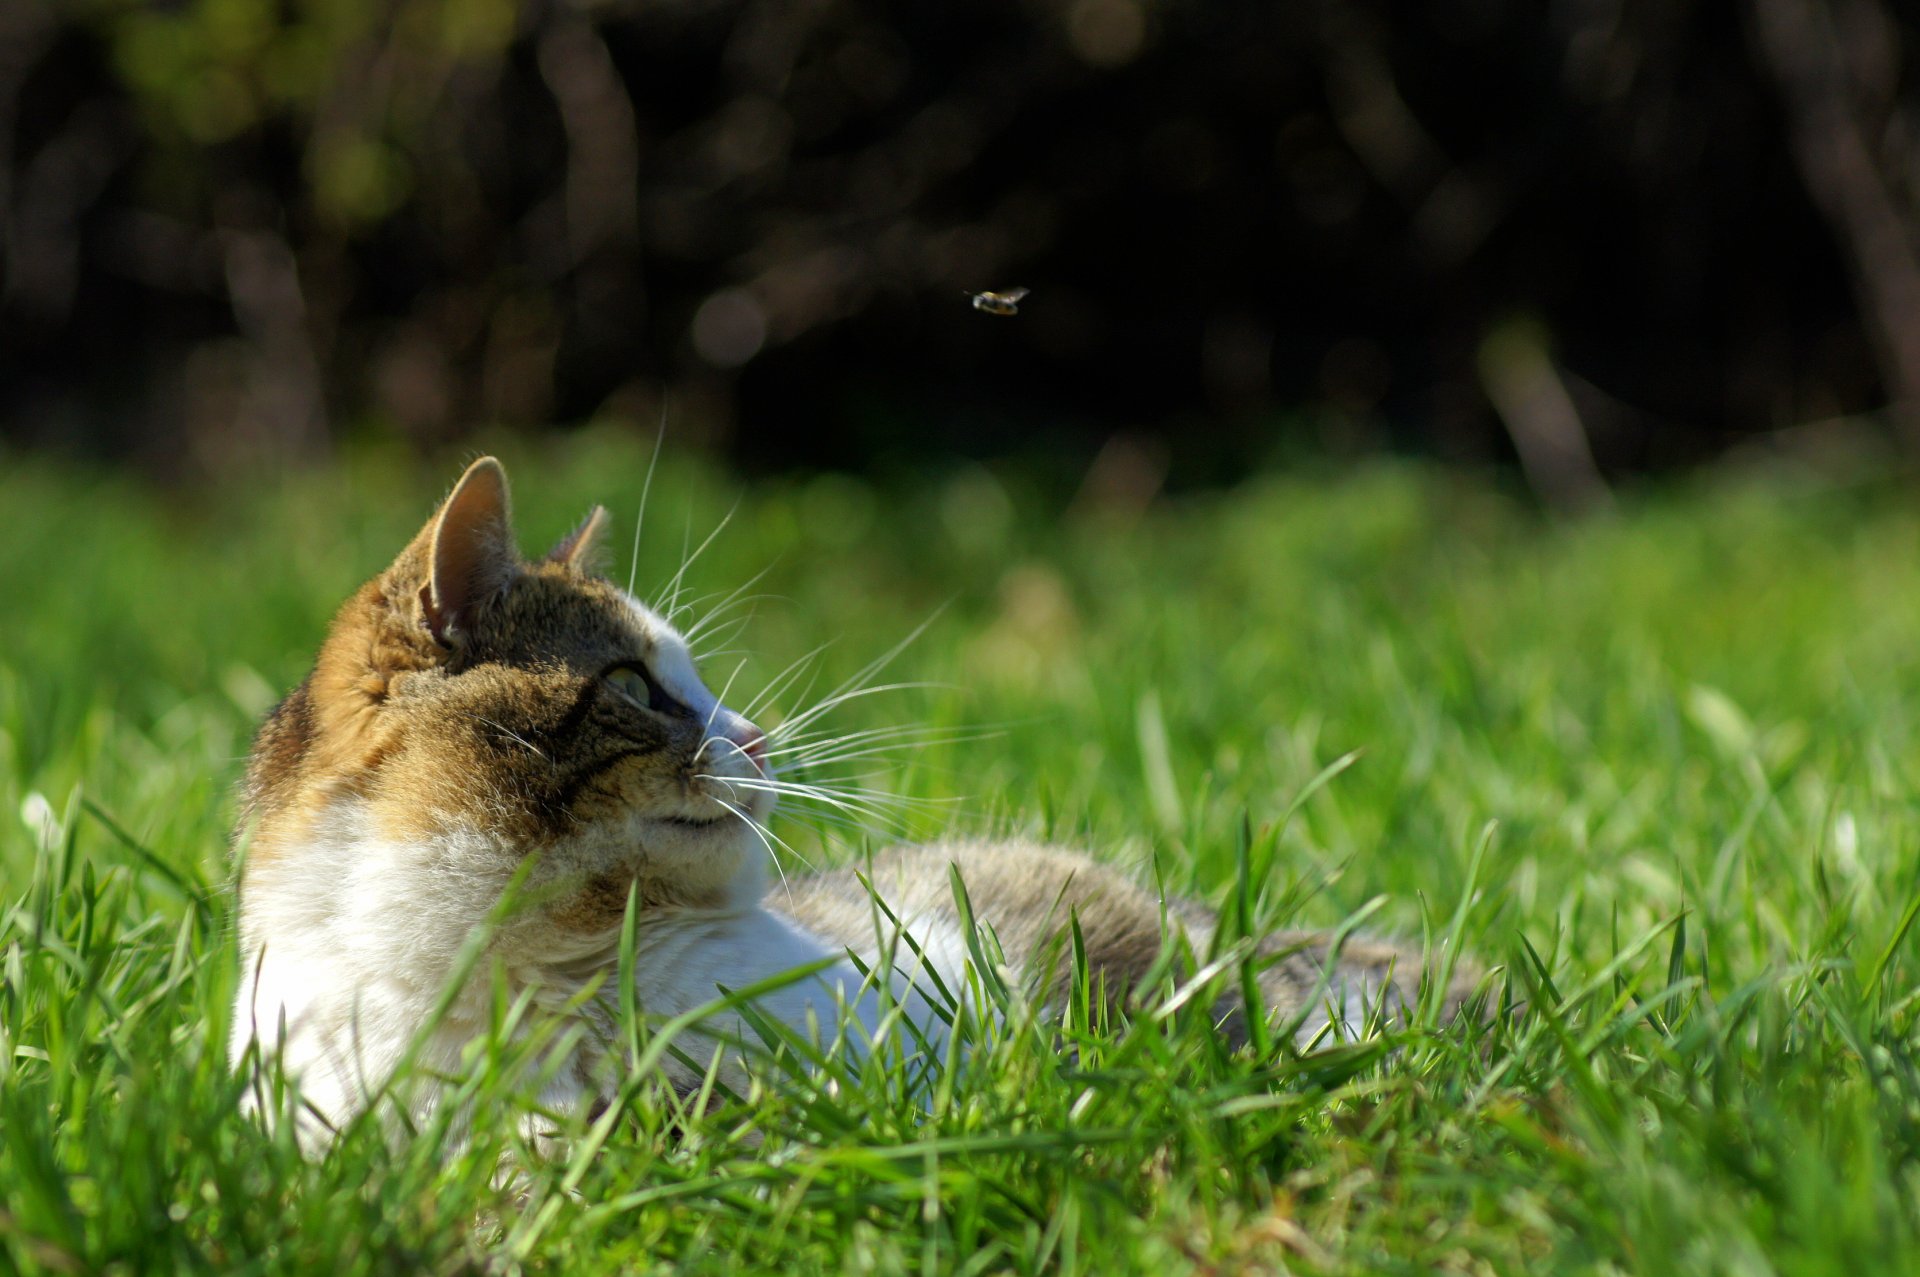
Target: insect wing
[1007, 303]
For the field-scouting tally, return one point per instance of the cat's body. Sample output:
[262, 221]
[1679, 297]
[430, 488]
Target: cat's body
[478, 726]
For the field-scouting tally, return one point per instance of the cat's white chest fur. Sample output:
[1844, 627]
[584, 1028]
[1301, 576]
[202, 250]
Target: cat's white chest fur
[357, 959]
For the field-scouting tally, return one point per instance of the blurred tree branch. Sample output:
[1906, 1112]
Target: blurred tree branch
[25, 31]
[249, 225]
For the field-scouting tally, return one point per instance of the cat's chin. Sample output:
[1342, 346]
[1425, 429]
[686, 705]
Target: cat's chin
[699, 849]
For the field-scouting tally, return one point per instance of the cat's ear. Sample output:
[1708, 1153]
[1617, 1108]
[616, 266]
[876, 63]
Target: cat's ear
[470, 551]
[580, 548]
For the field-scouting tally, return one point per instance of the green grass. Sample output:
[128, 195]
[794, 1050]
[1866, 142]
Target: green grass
[1682, 741]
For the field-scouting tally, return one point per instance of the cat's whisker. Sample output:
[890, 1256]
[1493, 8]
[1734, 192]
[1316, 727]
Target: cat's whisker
[729, 598]
[802, 690]
[841, 698]
[815, 816]
[514, 736]
[712, 628]
[719, 701]
[780, 681]
[725, 632]
[869, 804]
[739, 750]
[894, 758]
[663, 607]
[646, 489]
[775, 786]
[763, 833]
[857, 683]
[822, 737]
[876, 744]
[851, 694]
[874, 800]
[829, 815]
[676, 584]
[686, 539]
[896, 754]
[734, 598]
[829, 827]
[854, 807]
[882, 764]
[788, 748]
[851, 778]
[758, 826]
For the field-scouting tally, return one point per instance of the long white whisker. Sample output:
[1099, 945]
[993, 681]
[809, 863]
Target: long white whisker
[780, 680]
[791, 742]
[504, 730]
[850, 778]
[676, 584]
[719, 608]
[841, 698]
[720, 700]
[897, 754]
[763, 833]
[686, 539]
[872, 805]
[882, 762]
[646, 489]
[725, 632]
[875, 740]
[853, 807]
[845, 691]
[804, 683]
[801, 789]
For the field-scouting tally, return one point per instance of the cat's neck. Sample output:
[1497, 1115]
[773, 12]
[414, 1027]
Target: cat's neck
[410, 903]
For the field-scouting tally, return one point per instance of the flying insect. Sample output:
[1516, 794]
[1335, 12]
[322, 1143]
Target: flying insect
[1005, 303]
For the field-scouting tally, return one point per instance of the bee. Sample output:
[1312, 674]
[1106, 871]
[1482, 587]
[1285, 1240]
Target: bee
[1007, 303]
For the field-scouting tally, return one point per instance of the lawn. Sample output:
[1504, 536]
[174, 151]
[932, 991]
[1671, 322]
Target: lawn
[1658, 769]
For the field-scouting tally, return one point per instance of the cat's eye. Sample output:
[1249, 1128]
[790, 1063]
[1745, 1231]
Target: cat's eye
[640, 687]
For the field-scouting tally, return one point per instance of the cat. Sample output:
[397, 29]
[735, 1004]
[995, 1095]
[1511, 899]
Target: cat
[478, 726]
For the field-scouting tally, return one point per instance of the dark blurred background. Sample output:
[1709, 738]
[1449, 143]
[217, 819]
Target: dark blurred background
[1595, 238]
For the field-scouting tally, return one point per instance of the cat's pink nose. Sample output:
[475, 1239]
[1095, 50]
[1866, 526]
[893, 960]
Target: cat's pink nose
[750, 740]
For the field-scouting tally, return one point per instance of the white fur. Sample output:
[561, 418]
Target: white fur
[352, 939]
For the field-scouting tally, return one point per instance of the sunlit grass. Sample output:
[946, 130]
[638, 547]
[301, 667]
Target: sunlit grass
[1680, 741]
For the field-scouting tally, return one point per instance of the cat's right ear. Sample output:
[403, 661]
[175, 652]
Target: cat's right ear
[470, 552]
[580, 549]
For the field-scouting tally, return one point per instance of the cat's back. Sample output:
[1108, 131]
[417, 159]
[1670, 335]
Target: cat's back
[1027, 893]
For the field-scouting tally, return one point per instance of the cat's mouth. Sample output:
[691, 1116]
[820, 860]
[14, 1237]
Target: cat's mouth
[695, 822]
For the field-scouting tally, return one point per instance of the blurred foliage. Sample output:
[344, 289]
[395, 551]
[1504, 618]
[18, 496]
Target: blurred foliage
[236, 229]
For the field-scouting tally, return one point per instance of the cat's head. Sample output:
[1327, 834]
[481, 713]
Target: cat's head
[469, 698]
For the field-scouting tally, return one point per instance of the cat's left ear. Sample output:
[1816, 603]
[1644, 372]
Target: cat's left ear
[580, 549]
[471, 557]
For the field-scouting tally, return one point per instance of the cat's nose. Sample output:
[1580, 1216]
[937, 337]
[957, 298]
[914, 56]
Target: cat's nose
[748, 739]
[753, 743]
